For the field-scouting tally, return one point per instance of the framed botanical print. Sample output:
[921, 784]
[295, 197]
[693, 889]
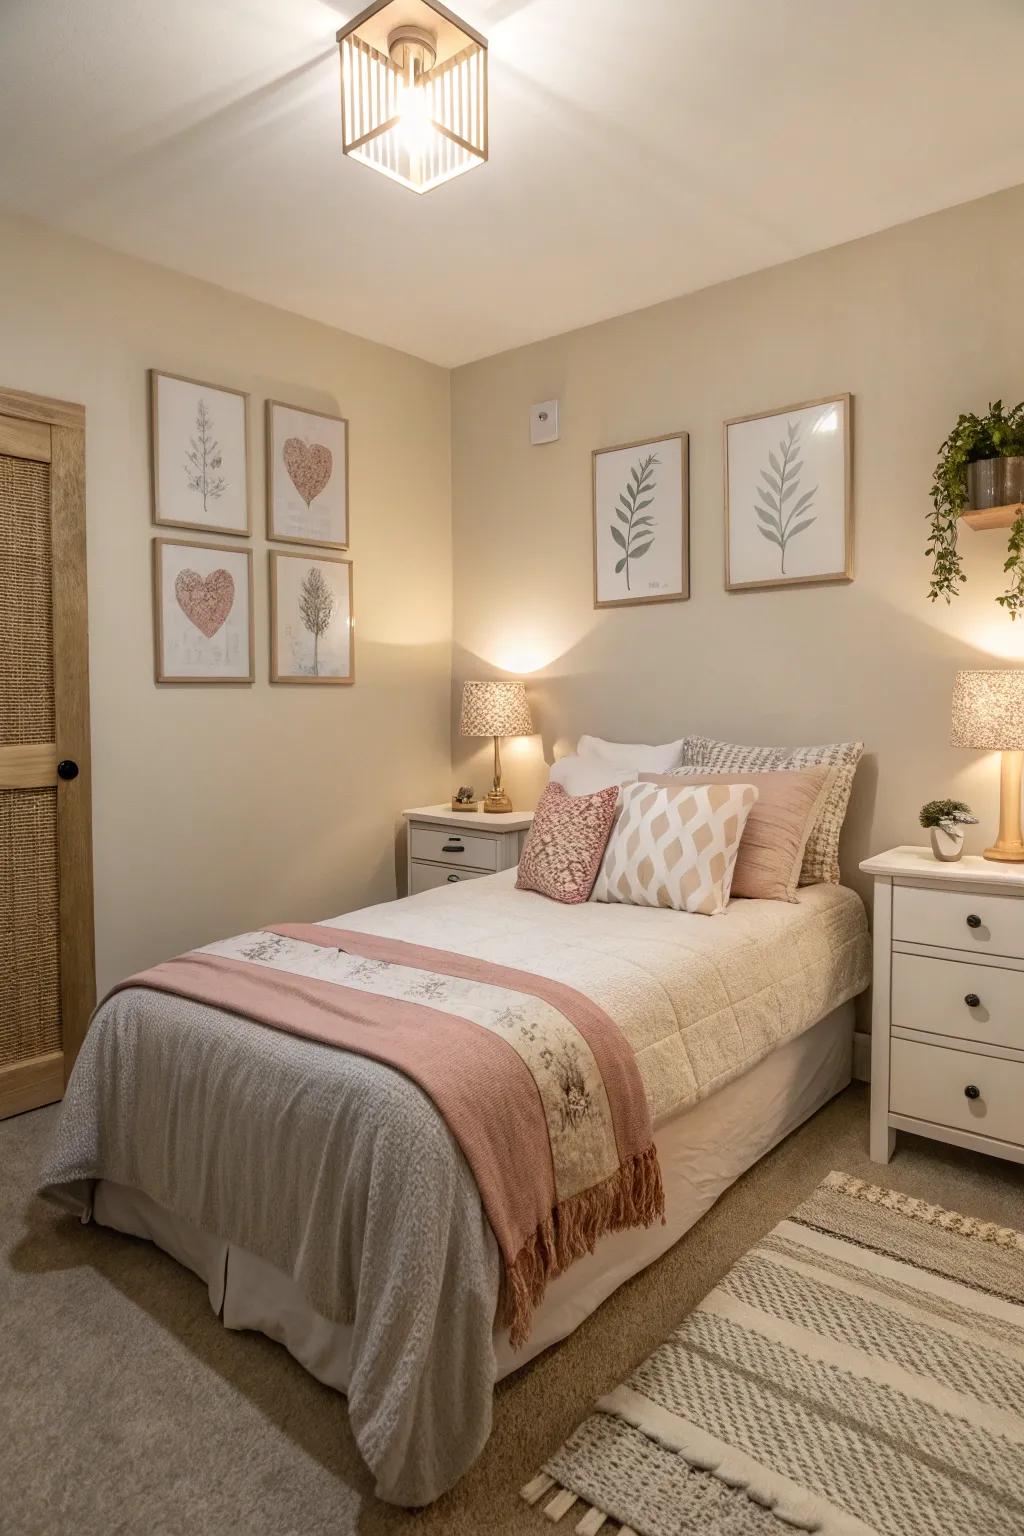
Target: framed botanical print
[307, 476]
[199, 443]
[789, 496]
[202, 612]
[311, 638]
[642, 522]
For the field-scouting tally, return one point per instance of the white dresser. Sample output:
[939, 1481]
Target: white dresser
[447, 846]
[947, 1049]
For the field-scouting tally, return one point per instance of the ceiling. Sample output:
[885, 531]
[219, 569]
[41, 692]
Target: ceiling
[639, 149]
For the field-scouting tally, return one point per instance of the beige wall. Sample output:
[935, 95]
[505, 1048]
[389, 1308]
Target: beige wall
[918, 323]
[219, 808]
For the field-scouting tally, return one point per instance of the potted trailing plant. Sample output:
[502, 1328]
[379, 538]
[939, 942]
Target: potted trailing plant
[981, 464]
[945, 820]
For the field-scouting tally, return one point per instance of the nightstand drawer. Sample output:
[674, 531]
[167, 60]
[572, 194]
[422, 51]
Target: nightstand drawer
[928, 1082]
[427, 877]
[445, 845]
[932, 995]
[944, 918]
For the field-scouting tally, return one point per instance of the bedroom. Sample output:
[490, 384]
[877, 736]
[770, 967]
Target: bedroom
[658, 243]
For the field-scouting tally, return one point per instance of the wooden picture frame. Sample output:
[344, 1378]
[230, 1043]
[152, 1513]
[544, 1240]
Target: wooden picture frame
[313, 467]
[200, 600]
[286, 583]
[191, 484]
[622, 485]
[775, 511]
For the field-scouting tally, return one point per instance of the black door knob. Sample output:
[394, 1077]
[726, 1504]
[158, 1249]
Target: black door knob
[972, 1000]
[66, 769]
[973, 920]
[972, 1091]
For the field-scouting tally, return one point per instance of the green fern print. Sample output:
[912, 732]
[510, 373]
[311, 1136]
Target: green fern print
[637, 536]
[778, 522]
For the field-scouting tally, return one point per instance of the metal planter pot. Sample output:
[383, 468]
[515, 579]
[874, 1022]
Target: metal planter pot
[995, 483]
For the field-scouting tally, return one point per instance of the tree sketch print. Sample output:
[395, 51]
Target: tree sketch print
[203, 459]
[638, 536]
[779, 523]
[316, 604]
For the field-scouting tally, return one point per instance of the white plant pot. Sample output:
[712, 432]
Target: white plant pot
[946, 846]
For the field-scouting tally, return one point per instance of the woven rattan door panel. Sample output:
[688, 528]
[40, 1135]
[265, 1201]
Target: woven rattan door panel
[45, 903]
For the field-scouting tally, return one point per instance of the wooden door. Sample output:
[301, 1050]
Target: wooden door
[47, 967]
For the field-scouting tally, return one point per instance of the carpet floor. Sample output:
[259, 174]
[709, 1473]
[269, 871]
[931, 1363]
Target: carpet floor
[126, 1409]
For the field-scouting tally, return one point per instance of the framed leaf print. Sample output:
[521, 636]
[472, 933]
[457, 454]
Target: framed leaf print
[311, 637]
[789, 496]
[307, 477]
[642, 522]
[202, 610]
[199, 444]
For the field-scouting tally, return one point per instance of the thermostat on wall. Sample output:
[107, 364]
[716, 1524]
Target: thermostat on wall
[544, 422]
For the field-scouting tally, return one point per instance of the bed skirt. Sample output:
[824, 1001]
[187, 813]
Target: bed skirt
[702, 1151]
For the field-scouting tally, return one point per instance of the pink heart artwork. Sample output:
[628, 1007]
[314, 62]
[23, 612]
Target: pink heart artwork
[205, 600]
[309, 466]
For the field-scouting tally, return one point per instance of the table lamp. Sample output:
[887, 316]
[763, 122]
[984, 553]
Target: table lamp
[495, 708]
[988, 713]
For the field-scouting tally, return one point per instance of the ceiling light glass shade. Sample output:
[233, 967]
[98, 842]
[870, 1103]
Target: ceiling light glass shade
[413, 92]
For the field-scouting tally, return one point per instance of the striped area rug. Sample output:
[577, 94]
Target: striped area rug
[860, 1372]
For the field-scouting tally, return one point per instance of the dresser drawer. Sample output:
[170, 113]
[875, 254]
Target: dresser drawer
[928, 1082]
[932, 995]
[427, 877]
[923, 915]
[443, 845]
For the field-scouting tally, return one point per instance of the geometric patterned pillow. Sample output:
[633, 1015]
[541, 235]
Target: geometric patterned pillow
[821, 855]
[675, 847]
[565, 844]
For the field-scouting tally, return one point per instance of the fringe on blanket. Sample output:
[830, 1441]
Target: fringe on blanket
[633, 1197]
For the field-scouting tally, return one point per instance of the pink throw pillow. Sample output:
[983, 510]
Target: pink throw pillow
[566, 843]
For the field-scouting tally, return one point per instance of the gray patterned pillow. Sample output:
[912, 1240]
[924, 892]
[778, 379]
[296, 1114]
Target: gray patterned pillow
[821, 855]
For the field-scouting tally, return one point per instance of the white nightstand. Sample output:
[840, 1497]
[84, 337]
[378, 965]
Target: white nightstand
[947, 1043]
[447, 846]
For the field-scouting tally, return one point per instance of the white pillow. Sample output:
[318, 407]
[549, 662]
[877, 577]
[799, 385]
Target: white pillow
[675, 847]
[633, 755]
[588, 775]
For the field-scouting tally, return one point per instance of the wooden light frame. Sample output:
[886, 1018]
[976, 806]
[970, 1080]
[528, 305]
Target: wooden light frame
[455, 87]
[53, 432]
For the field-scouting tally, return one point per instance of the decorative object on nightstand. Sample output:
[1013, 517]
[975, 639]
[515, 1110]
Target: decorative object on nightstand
[947, 1038]
[447, 846]
[497, 707]
[463, 800]
[988, 714]
[945, 821]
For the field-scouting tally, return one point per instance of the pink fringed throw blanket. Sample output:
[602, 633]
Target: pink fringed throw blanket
[536, 1083]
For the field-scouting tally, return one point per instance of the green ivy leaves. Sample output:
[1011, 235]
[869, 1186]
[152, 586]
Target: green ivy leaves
[637, 536]
[777, 521]
[999, 434]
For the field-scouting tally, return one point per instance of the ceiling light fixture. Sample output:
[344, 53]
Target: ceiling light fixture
[413, 92]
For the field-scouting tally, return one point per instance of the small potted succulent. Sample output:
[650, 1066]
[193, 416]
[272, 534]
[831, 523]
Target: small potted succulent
[980, 465]
[945, 820]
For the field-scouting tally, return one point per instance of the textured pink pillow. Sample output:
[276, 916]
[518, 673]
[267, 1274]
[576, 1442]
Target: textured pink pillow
[566, 843]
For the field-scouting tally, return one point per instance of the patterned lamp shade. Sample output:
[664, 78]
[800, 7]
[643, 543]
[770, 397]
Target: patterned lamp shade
[988, 710]
[495, 708]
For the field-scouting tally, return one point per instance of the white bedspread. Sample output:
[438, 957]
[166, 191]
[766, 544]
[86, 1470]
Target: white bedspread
[700, 999]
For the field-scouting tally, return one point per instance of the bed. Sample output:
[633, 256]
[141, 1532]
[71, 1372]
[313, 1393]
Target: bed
[290, 1175]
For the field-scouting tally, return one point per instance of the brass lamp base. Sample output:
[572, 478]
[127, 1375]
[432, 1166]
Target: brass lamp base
[1008, 847]
[498, 802]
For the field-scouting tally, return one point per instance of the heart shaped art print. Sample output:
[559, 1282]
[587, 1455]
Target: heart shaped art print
[309, 466]
[205, 600]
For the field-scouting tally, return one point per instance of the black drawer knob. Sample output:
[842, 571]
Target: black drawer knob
[972, 1000]
[453, 877]
[973, 920]
[66, 769]
[972, 1091]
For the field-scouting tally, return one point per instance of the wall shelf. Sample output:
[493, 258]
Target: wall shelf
[991, 517]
